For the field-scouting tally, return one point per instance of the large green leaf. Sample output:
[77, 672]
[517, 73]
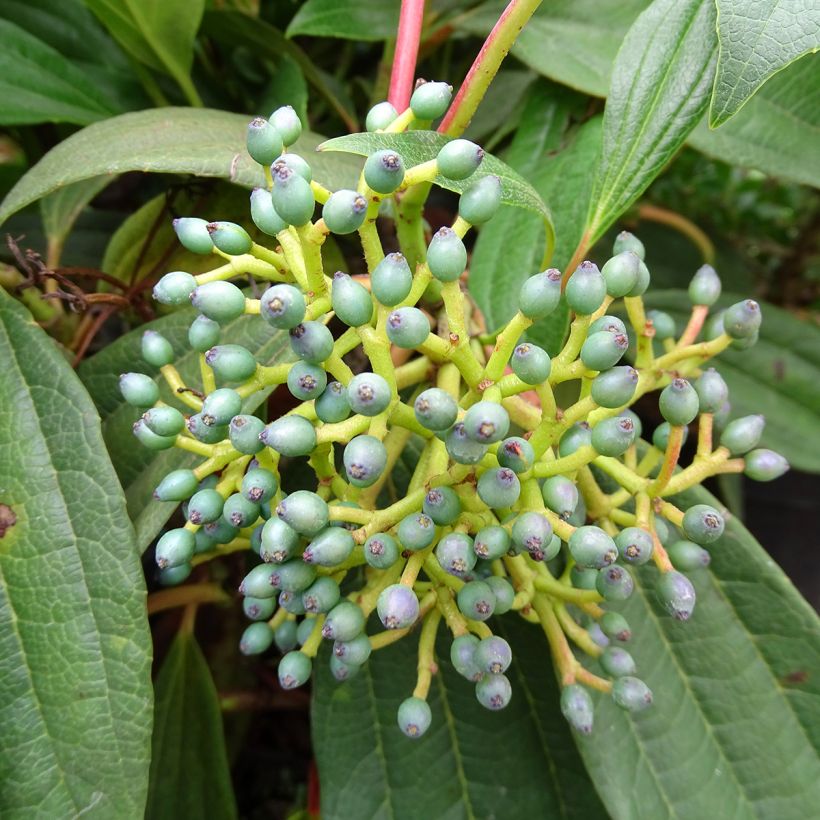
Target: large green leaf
[38, 84]
[140, 470]
[351, 19]
[158, 33]
[189, 765]
[757, 39]
[660, 88]
[203, 142]
[774, 129]
[779, 377]
[75, 653]
[517, 764]
[417, 147]
[733, 731]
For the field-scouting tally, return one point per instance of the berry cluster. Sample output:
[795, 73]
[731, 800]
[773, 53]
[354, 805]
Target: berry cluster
[515, 504]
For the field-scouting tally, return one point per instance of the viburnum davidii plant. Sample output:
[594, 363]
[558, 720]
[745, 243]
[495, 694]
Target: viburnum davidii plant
[516, 507]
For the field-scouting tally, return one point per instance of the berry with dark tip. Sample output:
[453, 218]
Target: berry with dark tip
[311, 341]
[259, 485]
[586, 289]
[282, 306]
[416, 531]
[476, 601]
[231, 362]
[384, 171]
[138, 389]
[576, 707]
[532, 532]
[368, 394]
[174, 548]
[531, 363]
[239, 511]
[407, 327]
[491, 542]
[631, 694]
[459, 159]
[193, 235]
[330, 547]
[244, 432]
[614, 436]
[615, 387]
[321, 596]
[344, 211]
[742, 320]
[560, 495]
[702, 524]
[279, 541]
[164, 421]
[414, 717]
[635, 545]
[446, 255]
[304, 511]
[615, 626]
[220, 406]
[486, 422]
[258, 609]
[606, 322]
[256, 639]
[350, 300]
[765, 465]
[614, 583]
[343, 623]
[442, 504]
[430, 100]
[590, 546]
[230, 238]
[290, 436]
[355, 651]
[461, 448]
[515, 453]
[397, 607]
[540, 294]
[287, 123]
[263, 141]
[365, 459]
[455, 553]
[332, 405]
[493, 655]
[391, 279]
[493, 692]
[292, 196]
[294, 670]
[462, 656]
[677, 595]
[306, 381]
[381, 550]
[687, 556]
[205, 506]
[603, 350]
[679, 402]
[435, 409]
[499, 488]
[504, 593]
[174, 288]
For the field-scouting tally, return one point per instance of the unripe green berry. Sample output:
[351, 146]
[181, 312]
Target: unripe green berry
[220, 531]
[583, 577]
[193, 235]
[461, 448]
[702, 524]
[381, 550]
[365, 459]
[203, 334]
[407, 327]
[164, 421]
[176, 486]
[397, 607]
[442, 505]
[344, 211]
[446, 255]
[205, 506]
[231, 362]
[391, 279]
[259, 485]
[430, 100]
[532, 532]
[221, 406]
[283, 306]
[560, 495]
[576, 707]
[614, 436]
[279, 541]
[293, 576]
[493, 655]
[486, 422]
[712, 391]
[476, 601]
[380, 116]
[174, 548]
[493, 692]
[256, 639]
[516, 453]
[264, 142]
[332, 405]
[615, 387]
[603, 350]
[306, 381]
[384, 171]
[741, 435]
[171, 576]
[617, 662]
[531, 363]
[284, 636]
[293, 162]
[355, 651]
[642, 284]
[206, 433]
[459, 159]
[151, 440]
[287, 123]
[499, 488]
[590, 546]
[742, 320]
[416, 531]
[635, 545]
[491, 542]
[304, 511]
[579, 435]
[631, 694]
[462, 654]
[292, 196]
[677, 595]
[244, 432]
[687, 556]
[679, 402]
[540, 294]
[606, 322]
[240, 511]
[614, 583]
[586, 289]
[230, 238]
[663, 324]
[311, 341]
[263, 213]
[259, 609]
[368, 394]
[504, 593]
[480, 202]
[350, 300]
[621, 273]
[321, 596]
[660, 436]
[765, 465]
[414, 717]
[288, 601]
[704, 289]
[615, 626]
[455, 553]
[138, 389]
[221, 302]
[174, 288]
[294, 670]
[626, 241]
[435, 409]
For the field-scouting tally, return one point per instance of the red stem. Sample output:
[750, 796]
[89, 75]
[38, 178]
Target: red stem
[407, 50]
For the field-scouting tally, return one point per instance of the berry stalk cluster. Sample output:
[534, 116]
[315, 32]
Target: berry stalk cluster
[515, 504]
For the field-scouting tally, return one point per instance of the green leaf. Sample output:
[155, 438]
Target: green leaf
[38, 84]
[61, 209]
[771, 132]
[417, 147]
[140, 470]
[757, 39]
[287, 86]
[778, 377]
[349, 19]
[189, 765]
[203, 142]
[519, 763]
[733, 731]
[660, 88]
[158, 33]
[500, 111]
[573, 42]
[75, 653]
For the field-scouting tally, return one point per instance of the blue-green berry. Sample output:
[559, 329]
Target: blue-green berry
[740, 435]
[504, 593]
[642, 284]
[384, 171]
[613, 436]
[476, 601]
[350, 300]
[263, 213]
[231, 362]
[583, 577]
[171, 576]
[446, 255]
[676, 594]
[702, 524]
[368, 394]
[407, 327]
[220, 531]
[294, 670]
[174, 288]
[256, 639]
[586, 289]
[176, 486]
[579, 435]
[138, 389]
[687, 556]
[355, 651]
[459, 159]
[576, 707]
[455, 553]
[416, 531]
[285, 636]
[461, 448]
[381, 550]
[486, 422]
[704, 289]
[206, 433]
[635, 545]
[258, 609]
[205, 506]
[292, 196]
[493, 692]
[293, 162]
[203, 334]
[240, 511]
[663, 324]
[606, 322]
[540, 294]
[391, 280]
[765, 465]
[221, 406]
[263, 140]
[493, 655]
[344, 211]
[230, 238]
[397, 607]
[304, 511]
[321, 596]
[615, 387]
[175, 547]
[342, 671]
[631, 694]
[742, 320]
[305, 627]
[293, 576]
[287, 123]
[614, 583]
[625, 241]
[499, 488]
[532, 532]
[603, 350]
[414, 717]
[282, 306]
[380, 116]
[531, 363]
[491, 542]
[332, 405]
[435, 409]
[615, 626]
[259, 485]
[164, 420]
[306, 381]
[712, 391]
[480, 202]
[560, 495]
[679, 402]
[442, 504]
[365, 459]
[430, 100]
[311, 341]
[244, 432]
[590, 546]
[279, 541]
[620, 273]
[462, 654]
[515, 453]
[193, 235]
